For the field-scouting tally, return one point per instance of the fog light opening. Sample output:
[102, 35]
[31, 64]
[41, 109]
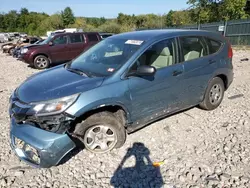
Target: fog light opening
[19, 143]
[32, 153]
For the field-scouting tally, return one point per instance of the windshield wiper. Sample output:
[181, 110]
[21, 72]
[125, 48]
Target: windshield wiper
[77, 71]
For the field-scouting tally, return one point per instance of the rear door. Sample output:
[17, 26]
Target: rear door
[76, 44]
[60, 51]
[198, 68]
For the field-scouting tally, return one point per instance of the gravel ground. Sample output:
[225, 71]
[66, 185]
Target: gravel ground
[199, 148]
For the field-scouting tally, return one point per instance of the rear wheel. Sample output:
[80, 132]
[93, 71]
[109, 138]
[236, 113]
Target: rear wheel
[41, 62]
[101, 132]
[214, 94]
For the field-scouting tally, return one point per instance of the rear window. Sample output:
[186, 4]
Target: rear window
[92, 37]
[214, 46]
[75, 38]
[193, 48]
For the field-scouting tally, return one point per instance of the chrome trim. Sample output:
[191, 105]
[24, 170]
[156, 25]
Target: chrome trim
[21, 105]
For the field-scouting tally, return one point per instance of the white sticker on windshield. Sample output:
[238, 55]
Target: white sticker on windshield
[110, 69]
[134, 42]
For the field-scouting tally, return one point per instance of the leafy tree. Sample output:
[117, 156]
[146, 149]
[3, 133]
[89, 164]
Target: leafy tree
[181, 18]
[67, 17]
[233, 9]
[10, 20]
[110, 27]
[168, 19]
[24, 11]
[247, 7]
[216, 10]
[80, 23]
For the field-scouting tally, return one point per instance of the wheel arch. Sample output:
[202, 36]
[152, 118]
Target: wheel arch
[44, 54]
[117, 108]
[224, 78]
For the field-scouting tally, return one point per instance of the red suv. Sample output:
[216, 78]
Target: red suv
[58, 48]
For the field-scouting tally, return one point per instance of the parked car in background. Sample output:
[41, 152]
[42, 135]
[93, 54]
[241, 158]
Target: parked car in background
[20, 43]
[23, 35]
[58, 48]
[116, 87]
[17, 35]
[17, 51]
[4, 37]
[105, 35]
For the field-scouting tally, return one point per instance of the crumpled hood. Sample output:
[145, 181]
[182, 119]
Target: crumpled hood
[55, 83]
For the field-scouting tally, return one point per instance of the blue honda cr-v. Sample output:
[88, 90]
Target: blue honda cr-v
[116, 87]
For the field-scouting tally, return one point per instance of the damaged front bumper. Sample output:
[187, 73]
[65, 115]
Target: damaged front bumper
[38, 147]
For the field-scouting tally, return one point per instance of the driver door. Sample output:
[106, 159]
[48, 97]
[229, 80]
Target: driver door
[60, 51]
[154, 95]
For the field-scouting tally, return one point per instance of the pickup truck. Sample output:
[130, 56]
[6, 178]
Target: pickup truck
[58, 48]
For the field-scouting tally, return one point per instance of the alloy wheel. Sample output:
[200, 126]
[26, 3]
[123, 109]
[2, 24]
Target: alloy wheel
[41, 62]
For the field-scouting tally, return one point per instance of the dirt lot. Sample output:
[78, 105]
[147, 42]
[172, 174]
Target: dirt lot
[199, 148]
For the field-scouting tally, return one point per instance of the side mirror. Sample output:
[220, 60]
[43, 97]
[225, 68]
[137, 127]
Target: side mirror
[145, 70]
[50, 43]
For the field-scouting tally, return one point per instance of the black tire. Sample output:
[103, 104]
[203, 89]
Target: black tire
[11, 51]
[41, 62]
[207, 103]
[109, 121]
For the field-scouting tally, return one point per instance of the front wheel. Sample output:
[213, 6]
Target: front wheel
[101, 132]
[11, 51]
[214, 94]
[41, 62]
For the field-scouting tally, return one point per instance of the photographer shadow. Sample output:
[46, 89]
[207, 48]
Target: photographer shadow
[142, 174]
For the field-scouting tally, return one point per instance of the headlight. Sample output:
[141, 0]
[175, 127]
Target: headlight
[24, 50]
[53, 106]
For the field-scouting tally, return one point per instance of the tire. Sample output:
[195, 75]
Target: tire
[11, 51]
[98, 129]
[41, 62]
[214, 94]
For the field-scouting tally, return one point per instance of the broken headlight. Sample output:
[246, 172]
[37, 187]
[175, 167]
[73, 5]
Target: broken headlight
[52, 107]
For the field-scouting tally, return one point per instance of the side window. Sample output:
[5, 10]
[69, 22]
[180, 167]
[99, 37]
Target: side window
[160, 55]
[214, 46]
[33, 40]
[92, 38]
[76, 38]
[193, 48]
[60, 40]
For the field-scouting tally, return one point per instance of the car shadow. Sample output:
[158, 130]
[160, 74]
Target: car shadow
[142, 174]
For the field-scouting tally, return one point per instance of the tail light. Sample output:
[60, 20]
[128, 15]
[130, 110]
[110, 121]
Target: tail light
[230, 51]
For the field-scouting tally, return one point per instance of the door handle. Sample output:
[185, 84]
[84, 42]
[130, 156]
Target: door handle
[211, 61]
[177, 72]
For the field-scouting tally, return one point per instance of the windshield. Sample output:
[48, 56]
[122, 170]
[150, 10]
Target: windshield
[106, 57]
[46, 41]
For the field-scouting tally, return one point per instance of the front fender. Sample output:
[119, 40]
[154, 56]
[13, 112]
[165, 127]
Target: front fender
[115, 94]
[101, 104]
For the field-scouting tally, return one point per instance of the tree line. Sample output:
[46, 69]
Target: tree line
[199, 11]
